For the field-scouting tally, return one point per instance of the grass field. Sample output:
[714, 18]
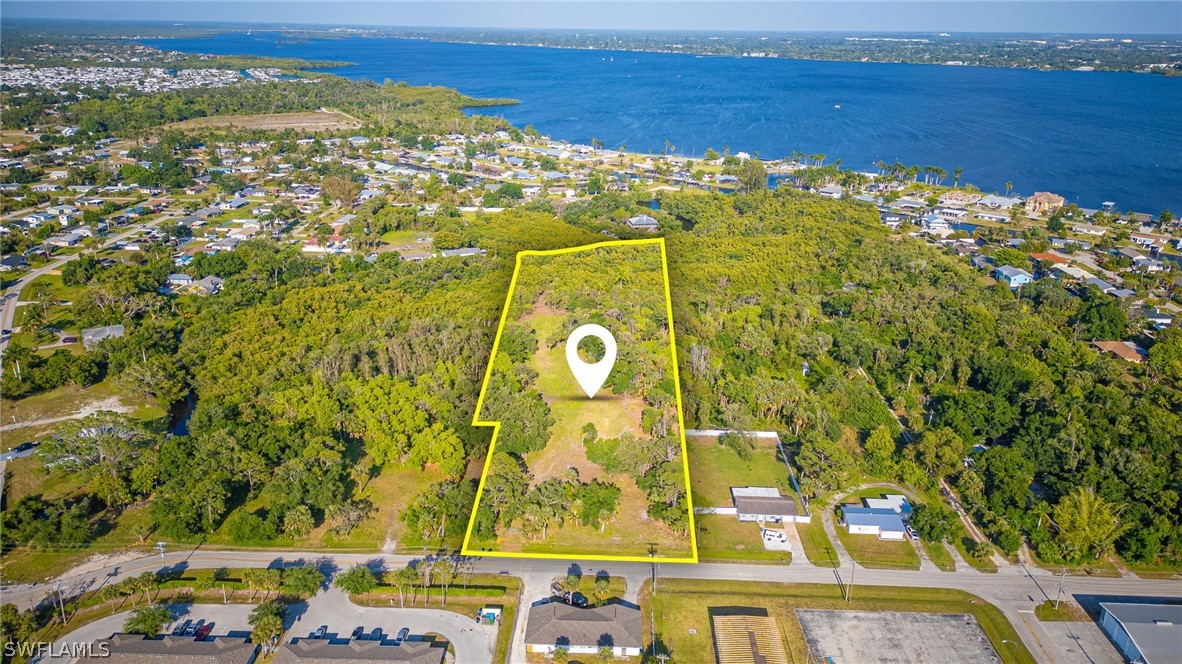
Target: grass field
[940, 556]
[714, 469]
[817, 547]
[304, 121]
[68, 400]
[683, 619]
[1067, 612]
[724, 537]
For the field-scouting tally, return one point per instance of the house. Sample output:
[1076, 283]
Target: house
[995, 202]
[65, 240]
[234, 203]
[959, 197]
[1064, 243]
[1125, 350]
[831, 191]
[13, 262]
[1070, 272]
[763, 505]
[1089, 229]
[179, 280]
[582, 631]
[891, 501]
[1149, 633]
[463, 251]
[1014, 277]
[951, 212]
[140, 649]
[992, 216]
[745, 639]
[883, 522]
[1043, 202]
[224, 244]
[92, 336]
[1104, 286]
[334, 650]
[642, 222]
[935, 224]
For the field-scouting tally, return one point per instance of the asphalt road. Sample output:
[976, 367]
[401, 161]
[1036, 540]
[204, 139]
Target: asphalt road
[1013, 589]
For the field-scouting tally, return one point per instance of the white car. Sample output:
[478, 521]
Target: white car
[774, 536]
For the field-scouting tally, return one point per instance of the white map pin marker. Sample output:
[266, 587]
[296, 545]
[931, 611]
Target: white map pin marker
[591, 377]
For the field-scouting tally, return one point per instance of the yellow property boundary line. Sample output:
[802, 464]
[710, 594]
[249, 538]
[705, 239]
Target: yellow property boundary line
[476, 421]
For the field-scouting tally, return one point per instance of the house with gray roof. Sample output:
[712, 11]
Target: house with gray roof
[92, 336]
[1149, 633]
[763, 505]
[555, 624]
[326, 650]
[642, 222]
[140, 649]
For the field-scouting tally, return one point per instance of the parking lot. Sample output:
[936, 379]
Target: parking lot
[890, 637]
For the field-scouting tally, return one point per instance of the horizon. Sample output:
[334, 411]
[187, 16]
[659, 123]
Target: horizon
[999, 17]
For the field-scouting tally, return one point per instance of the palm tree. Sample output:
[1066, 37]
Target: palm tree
[956, 173]
[1009, 188]
[18, 354]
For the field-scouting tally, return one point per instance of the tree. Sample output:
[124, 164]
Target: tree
[404, 579]
[341, 189]
[606, 654]
[158, 377]
[598, 502]
[561, 655]
[880, 451]
[149, 620]
[938, 451]
[1088, 524]
[267, 619]
[303, 580]
[932, 522]
[602, 588]
[358, 580]
[106, 442]
[298, 521]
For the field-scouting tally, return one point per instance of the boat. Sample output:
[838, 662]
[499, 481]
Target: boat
[837, 106]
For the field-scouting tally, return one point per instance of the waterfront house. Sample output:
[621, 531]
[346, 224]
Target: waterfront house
[1089, 229]
[1043, 202]
[831, 191]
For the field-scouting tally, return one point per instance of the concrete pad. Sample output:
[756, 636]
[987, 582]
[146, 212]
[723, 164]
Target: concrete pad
[894, 637]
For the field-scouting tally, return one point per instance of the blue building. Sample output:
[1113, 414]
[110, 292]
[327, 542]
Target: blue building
[1013, 276]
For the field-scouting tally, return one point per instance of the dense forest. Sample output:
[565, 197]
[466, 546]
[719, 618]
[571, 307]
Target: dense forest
[792, 312]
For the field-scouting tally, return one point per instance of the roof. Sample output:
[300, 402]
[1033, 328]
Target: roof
[1050, 258]
[642, 221]
[748, 640]
[134, 648]
[885, 520]
[1156, 629]
[96, 333]
[762, 501]
[405, 652]
[617, 625]
[1011, 272]
[1125, 350]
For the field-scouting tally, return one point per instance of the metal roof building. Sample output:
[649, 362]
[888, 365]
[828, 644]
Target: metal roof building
[1148, 633]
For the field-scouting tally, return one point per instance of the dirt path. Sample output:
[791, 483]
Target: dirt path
[110, 403]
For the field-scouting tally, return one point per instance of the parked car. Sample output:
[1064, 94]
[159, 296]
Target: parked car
[402, 634]
[376, 634]
[181, 628]
[203, 631]
[191, 627]
[320, 632]
[358, 632]
[24, 447]
[574, 599]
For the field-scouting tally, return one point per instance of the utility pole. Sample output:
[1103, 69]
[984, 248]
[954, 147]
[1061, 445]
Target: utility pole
[849, 589]
[160, 549]
[1062, 575]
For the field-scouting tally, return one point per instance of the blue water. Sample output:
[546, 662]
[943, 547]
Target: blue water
[1088, 136]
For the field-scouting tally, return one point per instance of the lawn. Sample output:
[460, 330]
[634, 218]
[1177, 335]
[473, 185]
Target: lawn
[1067, 612]
[940, 556]
[714, 469]
[724, 537]
[403, 238]
[961, 540]
[68, 400]
[56, 290]
[684, 630]
[1161, 571]
[817, 547]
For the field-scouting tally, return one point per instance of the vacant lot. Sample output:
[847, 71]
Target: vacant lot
[724, 537]
[683, 609]
[894, 636]
[714, 469]
[309, 121]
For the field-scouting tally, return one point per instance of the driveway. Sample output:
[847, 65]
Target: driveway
[472, 642]
[227, 618]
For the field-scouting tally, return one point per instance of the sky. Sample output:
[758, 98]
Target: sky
[1043, 16]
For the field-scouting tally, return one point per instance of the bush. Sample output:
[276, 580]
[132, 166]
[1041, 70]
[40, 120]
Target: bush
[249, 528]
